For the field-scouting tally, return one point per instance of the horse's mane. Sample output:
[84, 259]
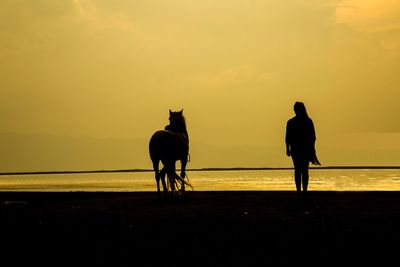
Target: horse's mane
[182, 124]
[177, 125]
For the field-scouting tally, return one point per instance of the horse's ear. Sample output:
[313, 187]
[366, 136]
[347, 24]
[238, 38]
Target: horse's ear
[181, 111]
[170, 112]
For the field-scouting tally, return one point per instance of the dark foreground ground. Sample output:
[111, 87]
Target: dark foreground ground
[204, 229]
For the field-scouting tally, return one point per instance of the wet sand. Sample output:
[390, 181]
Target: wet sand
[227, 228]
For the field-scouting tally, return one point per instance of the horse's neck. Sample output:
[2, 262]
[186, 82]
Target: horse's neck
[184, 133]
[180, 129]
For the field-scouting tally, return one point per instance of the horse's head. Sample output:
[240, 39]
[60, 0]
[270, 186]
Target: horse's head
[176, 118]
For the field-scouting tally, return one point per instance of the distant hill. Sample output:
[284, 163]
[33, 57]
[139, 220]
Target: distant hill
[31, 153]
[52, 152]
[39, 152]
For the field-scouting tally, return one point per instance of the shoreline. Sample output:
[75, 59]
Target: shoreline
[205, 228]
[206, 169]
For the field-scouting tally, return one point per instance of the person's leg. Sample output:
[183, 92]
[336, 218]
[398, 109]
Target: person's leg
[305, 175]
[297, 178]
[297, 173]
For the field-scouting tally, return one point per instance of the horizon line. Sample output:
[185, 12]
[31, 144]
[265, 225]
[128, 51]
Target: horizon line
[198, 169]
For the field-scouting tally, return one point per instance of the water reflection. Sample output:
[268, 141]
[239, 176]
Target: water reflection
[321, 180]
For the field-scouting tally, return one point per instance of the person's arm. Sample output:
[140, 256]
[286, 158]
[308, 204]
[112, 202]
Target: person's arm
[314, 159]
[287, 140]
[313, 135]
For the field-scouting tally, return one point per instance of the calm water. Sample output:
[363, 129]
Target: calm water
[322, 180]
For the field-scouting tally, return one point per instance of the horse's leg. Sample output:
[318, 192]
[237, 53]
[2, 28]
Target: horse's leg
[171, 174]
[183, 173]
[167, 171]
[162, 176]
[157, 174]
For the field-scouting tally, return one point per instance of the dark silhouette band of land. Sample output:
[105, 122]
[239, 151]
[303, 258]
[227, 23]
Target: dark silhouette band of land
[205, 169]
[226, 228]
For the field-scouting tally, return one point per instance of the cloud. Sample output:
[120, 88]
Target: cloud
[235, 75]
[376, 18]
[369, 15]
[298, 48]
[84, 8]
[99, 17]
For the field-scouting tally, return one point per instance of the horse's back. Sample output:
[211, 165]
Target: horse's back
[159, 138]
[165, 144]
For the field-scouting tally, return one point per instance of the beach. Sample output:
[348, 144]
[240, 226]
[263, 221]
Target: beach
[207, 228]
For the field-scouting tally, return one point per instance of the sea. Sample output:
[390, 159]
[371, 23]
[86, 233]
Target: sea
[210, 180]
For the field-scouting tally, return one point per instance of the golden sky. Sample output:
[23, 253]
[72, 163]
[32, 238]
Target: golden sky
[113, 69]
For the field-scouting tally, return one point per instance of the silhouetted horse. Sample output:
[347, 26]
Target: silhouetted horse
[169, 146]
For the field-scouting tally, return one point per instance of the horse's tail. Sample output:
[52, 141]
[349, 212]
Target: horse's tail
[154, 147]
[155, 159]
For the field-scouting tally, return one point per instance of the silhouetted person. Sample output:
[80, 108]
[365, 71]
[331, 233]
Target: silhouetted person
[300, 145]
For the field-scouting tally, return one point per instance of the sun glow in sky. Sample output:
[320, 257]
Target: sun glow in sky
[112, 70]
